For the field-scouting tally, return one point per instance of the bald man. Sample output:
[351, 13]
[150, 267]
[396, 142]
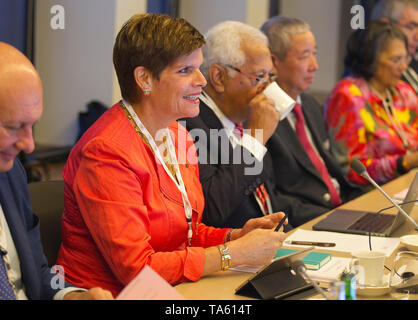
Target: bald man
[24, 271]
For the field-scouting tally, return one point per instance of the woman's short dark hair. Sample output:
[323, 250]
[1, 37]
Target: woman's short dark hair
[365, 45]
[152, 41]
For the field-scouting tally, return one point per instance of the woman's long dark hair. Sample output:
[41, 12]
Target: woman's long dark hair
[365, 45]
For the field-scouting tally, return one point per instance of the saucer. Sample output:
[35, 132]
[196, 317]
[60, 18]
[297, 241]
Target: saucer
[374, 291]
[411, 242]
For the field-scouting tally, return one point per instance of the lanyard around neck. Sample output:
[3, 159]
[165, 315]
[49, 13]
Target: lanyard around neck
[388, 105]
[172, 159]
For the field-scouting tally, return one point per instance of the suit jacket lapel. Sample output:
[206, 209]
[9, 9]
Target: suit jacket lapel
[212, 122]
[209, 117]
[12, 215]
[310, 122]
[329, 163]
[289, 135]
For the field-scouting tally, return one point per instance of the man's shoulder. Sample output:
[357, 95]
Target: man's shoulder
[310, 104]
[309, 99]
[15, 175]
[205, 119]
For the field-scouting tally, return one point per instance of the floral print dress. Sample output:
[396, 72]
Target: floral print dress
[378, 133]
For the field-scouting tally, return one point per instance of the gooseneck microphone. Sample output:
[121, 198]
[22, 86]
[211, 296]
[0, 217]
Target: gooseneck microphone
[299, 267]
[360, 169]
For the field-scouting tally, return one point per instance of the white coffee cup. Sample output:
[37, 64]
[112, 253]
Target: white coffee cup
[283, 103]
[368, 267]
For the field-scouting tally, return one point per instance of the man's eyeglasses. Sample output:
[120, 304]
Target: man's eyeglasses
[257, 80]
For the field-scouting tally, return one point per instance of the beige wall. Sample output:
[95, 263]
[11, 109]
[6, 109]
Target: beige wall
[257, 12]
[76, 63]
[323, 17]
[124, 10]
[204, 14]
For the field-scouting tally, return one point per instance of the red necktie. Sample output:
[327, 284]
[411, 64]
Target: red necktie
[239, 130]
[318, 163]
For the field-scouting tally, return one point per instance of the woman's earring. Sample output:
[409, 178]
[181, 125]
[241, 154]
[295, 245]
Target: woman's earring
[147, 92]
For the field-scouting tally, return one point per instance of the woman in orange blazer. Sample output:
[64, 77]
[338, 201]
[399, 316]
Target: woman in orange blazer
[132, 190]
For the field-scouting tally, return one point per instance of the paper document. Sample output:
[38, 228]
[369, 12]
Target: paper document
[149, 285]
[345, 242]
[331, 271]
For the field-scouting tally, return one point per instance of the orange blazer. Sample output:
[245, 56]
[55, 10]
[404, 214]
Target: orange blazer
[123, 211]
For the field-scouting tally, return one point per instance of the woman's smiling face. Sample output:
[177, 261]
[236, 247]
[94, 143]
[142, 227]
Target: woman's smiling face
[179, 86]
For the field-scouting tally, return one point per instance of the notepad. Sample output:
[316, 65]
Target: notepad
[313, 260]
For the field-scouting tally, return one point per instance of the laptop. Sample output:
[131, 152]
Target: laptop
[362, 222]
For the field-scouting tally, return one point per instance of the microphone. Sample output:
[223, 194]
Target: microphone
[360, 169]
[299, 267]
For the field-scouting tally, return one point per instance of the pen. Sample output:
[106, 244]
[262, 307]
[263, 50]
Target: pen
[311, 243]
[281, 222]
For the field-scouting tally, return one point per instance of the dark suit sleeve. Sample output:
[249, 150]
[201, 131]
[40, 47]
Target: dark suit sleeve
[299, 211]
[36, 274]
[32, 225]
[46, 277]
[224, 188]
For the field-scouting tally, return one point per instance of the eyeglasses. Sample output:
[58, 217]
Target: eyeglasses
[398, 60]
[258, 80]
[411, 26]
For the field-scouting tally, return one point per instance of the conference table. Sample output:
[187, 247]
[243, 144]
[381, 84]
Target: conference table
[221, 285]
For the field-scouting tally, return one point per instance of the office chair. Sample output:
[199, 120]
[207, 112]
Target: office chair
[48, 204]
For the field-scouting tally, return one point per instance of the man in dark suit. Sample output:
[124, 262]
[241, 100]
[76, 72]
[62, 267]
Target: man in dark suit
[235, 121]
[403, 13]
[24, 271]
[304, 167]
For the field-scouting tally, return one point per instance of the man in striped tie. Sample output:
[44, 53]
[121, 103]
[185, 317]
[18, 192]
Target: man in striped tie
[24, 271]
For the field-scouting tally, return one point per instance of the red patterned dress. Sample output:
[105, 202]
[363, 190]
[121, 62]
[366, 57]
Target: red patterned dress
[361, 126]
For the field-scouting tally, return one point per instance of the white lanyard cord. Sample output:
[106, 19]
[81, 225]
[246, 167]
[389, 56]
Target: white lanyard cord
[388, 105]
[389, 109]
[172, 158]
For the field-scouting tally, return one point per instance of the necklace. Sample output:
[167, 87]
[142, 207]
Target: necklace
[170, 158]
[412, 78]
[389, 109]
